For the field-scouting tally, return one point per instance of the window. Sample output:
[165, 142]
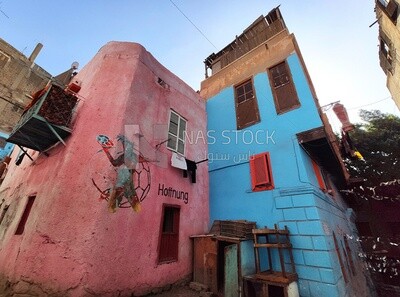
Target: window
[25, 215]
[3, 59]
[176, 133]
[246, 105]
[349, 256]
[261, 173]
[169, 237]
[3, 142]
[390, 8]
[283, 89]
[322, 178]
[3, 213]
[340, 258]
[385, 52]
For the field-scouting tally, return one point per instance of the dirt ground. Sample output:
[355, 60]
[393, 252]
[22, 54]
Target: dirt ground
[184, 291]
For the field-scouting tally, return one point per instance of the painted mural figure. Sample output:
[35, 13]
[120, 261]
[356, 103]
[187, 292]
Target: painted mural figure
[125, 163]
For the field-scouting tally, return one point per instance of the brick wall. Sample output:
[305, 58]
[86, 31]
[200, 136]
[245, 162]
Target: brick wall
[19, 79]
[312, 216]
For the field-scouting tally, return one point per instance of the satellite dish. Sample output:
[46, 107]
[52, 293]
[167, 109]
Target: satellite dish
[75, 65]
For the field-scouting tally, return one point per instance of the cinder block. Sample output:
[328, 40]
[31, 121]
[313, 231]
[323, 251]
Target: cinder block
[317, 258]
[292, 226]
[301, 242]
[312, 213]
[283, 202]
[304, 288]
[320, 243]
[294, 214]
[298, 257]
[304, 200]
[309, 273]
[328, 276]
[310, 228]
[323, 289]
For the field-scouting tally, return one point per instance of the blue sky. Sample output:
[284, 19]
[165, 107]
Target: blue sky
[339, 48]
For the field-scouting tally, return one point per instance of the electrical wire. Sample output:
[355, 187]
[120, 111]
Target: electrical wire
[357, 107]
[173, 3]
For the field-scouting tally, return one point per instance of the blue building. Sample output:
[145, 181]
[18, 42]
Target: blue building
[5, 147]
[273, 158]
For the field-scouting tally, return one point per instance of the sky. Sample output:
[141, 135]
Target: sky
[339, 48]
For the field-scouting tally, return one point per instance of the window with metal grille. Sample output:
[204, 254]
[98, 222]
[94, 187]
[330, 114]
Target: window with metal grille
[169, 237]
[261, 173]
[283, 89]
[247, 113]
[25, 215]
[176, 133]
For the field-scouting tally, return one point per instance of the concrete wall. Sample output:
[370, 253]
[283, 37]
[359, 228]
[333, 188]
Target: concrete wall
[72, 246]
[19, 78]
[392, 31]
[296, 201]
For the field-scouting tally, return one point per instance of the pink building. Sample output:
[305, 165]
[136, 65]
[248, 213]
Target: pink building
[58, 232]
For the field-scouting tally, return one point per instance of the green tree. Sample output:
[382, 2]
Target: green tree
[378, 140]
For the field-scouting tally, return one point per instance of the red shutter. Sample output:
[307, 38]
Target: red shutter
[261, 174]
[318, 175]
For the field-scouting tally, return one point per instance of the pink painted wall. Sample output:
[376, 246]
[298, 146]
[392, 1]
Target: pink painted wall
[71, 244]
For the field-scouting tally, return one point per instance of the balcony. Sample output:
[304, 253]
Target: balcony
[261, 30]
[47, 121]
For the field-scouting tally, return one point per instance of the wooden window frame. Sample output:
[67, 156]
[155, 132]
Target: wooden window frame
[177, 136]
[274, 93]
[344, 273]
[25, 215]
[268, 183]
[174, 256]
[390, 8]
[4, 59]
[322, 178]
[256, 109]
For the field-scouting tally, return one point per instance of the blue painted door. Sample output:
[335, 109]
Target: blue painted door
[231, 271]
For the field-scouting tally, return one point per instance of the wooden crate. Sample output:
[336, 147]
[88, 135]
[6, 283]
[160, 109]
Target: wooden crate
[236, 228]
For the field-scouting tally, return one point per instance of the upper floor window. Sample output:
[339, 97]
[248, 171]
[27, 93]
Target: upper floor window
[4, 59]
[283, 89]
[246, 105]
[261, 173]
[176, 133]
[390, 7]
[385, 52]
[3, 142]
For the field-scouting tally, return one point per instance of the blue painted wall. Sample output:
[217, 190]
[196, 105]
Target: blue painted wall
[296, 201]
[5, 151]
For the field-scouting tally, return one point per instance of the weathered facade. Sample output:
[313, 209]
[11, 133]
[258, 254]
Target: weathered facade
[387, 14]
[19, 78]
[273, 158]
[126, 154]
